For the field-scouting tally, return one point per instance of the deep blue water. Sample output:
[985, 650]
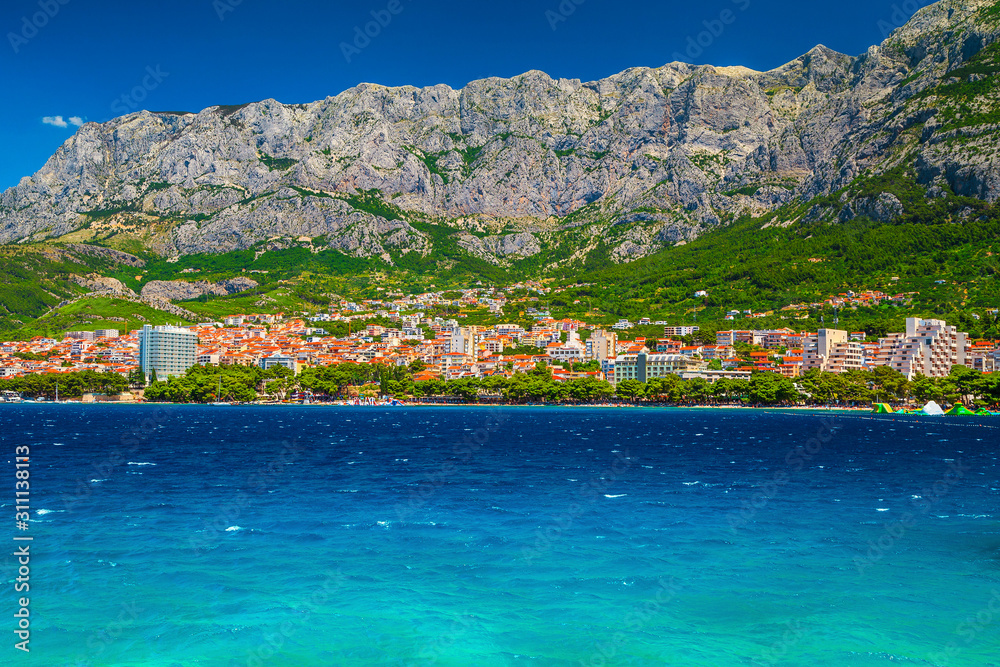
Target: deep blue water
[367, 536]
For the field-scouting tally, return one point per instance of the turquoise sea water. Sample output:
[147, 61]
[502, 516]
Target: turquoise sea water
[367, 536]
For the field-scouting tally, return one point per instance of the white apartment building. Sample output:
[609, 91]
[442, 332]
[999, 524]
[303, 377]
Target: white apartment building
[513, 330]
[267, 363]
[849, 356]
[167, 350]
[643, 366]
[601, 345]
[413, 333]
[720, 352]
[208, 359]
[985, 361]
[119, 357]
[886, 348]
[669, 332]
[831, 350]
[714, 376]
[463, 340]
[929, 347]
[776, 338]
[744, 336]
[572, 350]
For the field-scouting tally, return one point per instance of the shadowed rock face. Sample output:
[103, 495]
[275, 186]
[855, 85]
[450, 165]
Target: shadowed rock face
[108, 253]
[179, 290]
[659, 154]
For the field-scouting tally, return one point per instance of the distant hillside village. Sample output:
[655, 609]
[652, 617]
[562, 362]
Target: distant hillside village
[442, 349]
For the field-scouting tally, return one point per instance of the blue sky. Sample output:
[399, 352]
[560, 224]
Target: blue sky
[63, 62]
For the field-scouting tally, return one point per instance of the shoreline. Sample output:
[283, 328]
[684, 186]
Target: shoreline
[619, 406]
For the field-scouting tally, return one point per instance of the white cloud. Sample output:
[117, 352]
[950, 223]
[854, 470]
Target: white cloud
[59, 121]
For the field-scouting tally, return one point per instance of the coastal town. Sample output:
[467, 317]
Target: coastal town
[397, 332]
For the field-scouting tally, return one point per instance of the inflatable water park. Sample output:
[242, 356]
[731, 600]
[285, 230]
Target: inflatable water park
[934, 410]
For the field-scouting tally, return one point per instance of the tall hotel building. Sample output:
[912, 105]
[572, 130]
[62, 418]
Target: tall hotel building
[929, 347]
[168, 350]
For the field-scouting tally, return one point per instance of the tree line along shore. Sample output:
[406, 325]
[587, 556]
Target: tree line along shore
[250, 384]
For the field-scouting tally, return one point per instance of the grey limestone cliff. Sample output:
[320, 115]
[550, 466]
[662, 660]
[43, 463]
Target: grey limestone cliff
[641, 160]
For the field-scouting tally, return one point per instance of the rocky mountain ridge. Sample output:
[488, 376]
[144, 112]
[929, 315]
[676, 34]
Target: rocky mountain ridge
[516, 167]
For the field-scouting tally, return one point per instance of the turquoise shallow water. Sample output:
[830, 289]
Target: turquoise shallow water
[364, 536]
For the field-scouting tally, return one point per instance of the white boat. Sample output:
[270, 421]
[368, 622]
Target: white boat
[9, 396]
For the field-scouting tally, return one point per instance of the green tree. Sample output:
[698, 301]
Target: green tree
[631, 389]
[697, 390]
[927, 389]
[667, 388]
[589, 390]
[772, 389]
[136, 377]
[465, 388]
[967, 382]
[541, 370]
[729, 389]
[991, 388]
[889, 383]
[495, 384]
